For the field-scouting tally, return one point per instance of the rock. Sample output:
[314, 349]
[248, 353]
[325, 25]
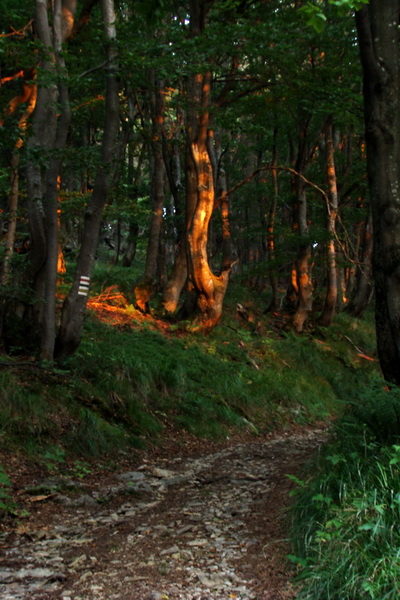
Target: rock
[84, 500]
[155, 596]
[167, 551]
[131, 476]
[51, 484]
[184, 529]
[214, 581]
[6, 576]
[162, 473]
[77, 561]
[34, 574]
[200, 542]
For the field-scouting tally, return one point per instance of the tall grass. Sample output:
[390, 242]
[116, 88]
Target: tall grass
[347, 515]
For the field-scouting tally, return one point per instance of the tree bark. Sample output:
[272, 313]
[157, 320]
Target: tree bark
[12, 219]
[271, 227]
[176, 282]
[379, 43]
[73, 313]
[133, 232]
[210, 289]
[304, 284]
[205, 291]
[331, 297]
[41, 143]
[61, 27]
[145, 290]
[362, 292]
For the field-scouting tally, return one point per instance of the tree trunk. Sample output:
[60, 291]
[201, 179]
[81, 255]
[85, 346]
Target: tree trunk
[131, 242]
[51, 204]
[157, 197]
[271, 227]
[304, 284]
[379, 42]
[210, 289]
[331, 297]
[221, 198]
[147, 287]
[176, 282]
[73, 312]
[362, 295]
[48, 139]
[133, 232]
[204, 289]
[12, 219]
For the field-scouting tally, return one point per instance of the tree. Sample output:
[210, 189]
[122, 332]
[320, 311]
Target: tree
[378, 26]
[73, 312]
[333, 207]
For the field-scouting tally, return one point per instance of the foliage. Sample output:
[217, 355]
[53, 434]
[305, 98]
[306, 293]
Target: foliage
[7, 504]
[346, 514]
[315, 12]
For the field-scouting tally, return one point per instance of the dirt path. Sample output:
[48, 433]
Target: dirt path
[208, 526]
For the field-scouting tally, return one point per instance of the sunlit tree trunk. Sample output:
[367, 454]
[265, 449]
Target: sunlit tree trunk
[378, 25]
[210, 289]
[331, 297]
[73, 312]
[176, 282]
[205, 291]
[172, 159]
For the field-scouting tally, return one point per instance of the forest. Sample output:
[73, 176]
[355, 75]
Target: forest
[200, 230]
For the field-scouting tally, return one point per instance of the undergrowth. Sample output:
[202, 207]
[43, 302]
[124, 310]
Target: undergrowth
[127, 384]
[346, 514]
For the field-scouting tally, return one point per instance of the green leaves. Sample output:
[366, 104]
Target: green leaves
[349, 4]
[315, 16]
[7, 505]
[315, 13]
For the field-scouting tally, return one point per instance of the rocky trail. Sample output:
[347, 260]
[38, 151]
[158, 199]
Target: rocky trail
[206, 525]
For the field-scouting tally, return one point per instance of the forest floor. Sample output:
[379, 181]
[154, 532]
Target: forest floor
[191, 520]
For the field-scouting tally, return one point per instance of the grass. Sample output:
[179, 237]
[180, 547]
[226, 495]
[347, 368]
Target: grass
[127, 384]
[347, 513]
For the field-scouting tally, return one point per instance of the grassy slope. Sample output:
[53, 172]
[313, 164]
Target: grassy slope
[131, 380]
